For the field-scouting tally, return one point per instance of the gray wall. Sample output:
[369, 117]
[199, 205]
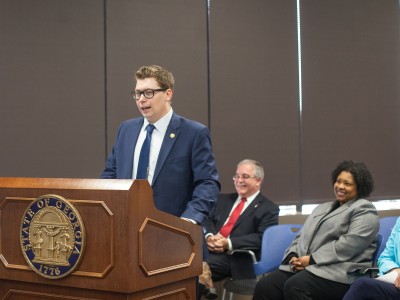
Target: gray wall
[67, 68]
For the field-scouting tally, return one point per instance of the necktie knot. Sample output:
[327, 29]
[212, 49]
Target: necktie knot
[150, 128]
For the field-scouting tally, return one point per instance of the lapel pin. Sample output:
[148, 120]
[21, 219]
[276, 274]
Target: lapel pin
[172, 135]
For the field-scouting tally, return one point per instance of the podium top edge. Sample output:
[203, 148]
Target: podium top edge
[66, 183]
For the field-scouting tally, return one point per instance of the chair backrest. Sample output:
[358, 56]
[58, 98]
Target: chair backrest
[386, 225]
[379, 245]
[274, 243]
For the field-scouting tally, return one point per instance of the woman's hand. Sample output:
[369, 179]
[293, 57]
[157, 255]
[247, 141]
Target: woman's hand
[299, 263]
[397, 280]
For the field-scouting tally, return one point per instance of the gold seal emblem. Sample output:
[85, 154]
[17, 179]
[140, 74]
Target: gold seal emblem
[52, 236]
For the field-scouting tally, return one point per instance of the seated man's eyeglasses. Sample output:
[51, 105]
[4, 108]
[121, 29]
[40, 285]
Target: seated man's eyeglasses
[244, 177]
[148, 94]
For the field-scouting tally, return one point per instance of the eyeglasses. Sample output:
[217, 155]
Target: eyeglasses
[148, 94]
[244, 177]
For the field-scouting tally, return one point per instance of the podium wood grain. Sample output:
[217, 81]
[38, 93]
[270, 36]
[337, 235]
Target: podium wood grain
[133, 250]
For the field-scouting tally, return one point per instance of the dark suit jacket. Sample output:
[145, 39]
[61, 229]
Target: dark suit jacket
[185, 182]
[249, 228]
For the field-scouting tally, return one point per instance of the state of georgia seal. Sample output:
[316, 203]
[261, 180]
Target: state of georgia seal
[52, 236]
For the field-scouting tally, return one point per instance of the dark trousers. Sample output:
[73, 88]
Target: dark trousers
[368, 288]
[237, 266]
[298, 286]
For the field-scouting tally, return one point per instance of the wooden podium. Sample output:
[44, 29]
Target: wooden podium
[132, 250]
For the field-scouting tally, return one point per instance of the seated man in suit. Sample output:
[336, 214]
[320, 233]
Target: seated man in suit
[237, 221]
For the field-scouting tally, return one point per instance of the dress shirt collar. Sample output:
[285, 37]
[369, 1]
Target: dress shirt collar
[162, 124]
[250, 198]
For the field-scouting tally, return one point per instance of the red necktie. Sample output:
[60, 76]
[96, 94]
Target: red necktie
[227, 228]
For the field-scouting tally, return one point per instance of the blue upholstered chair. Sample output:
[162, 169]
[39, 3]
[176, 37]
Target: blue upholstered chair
[274, 243]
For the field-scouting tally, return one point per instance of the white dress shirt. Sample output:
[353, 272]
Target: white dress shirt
[156, 141]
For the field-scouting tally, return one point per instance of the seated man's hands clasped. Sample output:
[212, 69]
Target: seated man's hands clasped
[217, 243]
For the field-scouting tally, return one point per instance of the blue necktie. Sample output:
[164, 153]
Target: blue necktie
[143, 166]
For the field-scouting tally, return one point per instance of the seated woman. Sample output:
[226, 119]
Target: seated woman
[389, 266]
[337, 240]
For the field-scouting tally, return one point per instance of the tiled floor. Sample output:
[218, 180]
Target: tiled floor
[219, 287]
